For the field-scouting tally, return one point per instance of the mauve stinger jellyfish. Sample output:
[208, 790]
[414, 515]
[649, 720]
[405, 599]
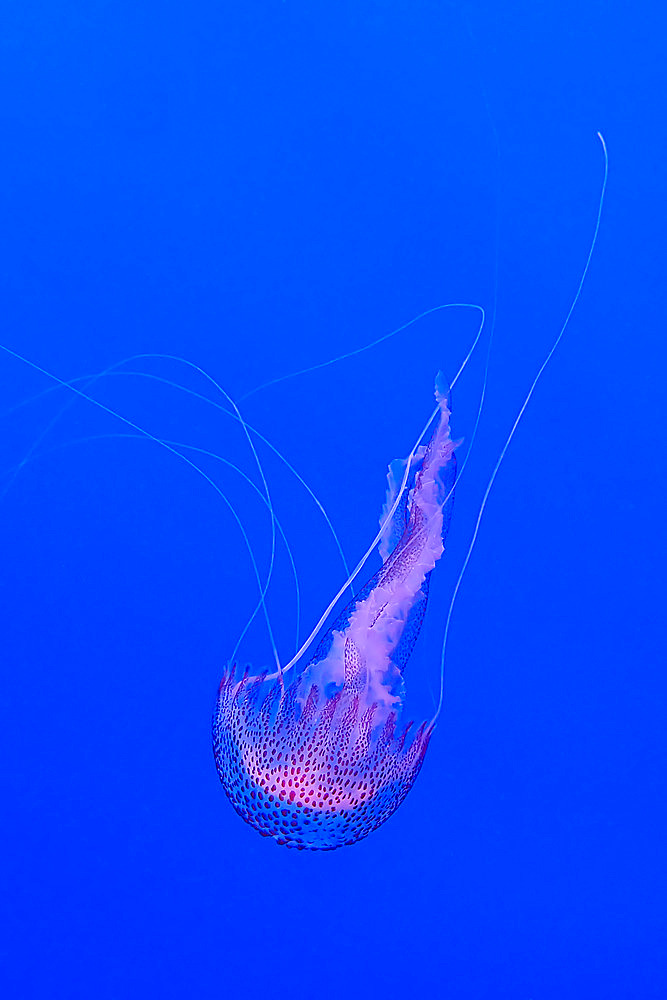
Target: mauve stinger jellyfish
[315, 757]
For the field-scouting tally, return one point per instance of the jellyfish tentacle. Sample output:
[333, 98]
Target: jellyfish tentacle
[90, 380]
[112, 371]
[375, 343]
[517, 420]
[142, 431]
[260, 468]
[221, 494]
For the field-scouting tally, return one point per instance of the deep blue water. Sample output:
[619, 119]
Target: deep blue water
[258, 188]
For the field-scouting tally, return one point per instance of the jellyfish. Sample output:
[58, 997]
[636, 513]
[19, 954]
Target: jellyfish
[316, 754]
[319, 759]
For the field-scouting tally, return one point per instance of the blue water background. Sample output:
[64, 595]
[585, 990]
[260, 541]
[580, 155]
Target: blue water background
[257, 188]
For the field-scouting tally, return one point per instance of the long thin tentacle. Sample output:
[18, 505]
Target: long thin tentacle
[515, 425]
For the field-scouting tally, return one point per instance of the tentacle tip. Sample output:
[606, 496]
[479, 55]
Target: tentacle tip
[442, 389]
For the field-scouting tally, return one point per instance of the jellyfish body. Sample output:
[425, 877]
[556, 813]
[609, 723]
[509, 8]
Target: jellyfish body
[320, 759]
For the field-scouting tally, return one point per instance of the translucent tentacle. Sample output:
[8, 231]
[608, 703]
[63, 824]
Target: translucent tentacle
[515, 425]
[372, 344]
[34, 456]
[152, 437]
